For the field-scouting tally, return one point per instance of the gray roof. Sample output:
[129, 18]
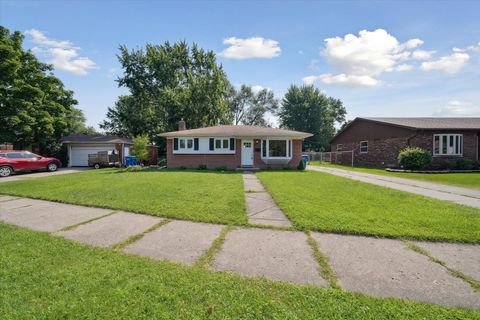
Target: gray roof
[431, 123]
[237, 131]
[90, 139]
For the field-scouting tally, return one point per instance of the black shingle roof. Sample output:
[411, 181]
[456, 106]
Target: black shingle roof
[431, 123]
[85, 138]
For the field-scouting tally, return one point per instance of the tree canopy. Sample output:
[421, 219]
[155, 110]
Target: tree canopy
[248, 107]
[167, 82]
[35, 108]
[307, 109]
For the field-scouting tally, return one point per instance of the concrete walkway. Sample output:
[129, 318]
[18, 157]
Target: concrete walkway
[464, 196]
[377, 267]
[33, 175]
[261, 209]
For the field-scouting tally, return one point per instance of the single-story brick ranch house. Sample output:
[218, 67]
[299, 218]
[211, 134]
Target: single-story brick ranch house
[79, 146]
[378, 141]
[234, 147]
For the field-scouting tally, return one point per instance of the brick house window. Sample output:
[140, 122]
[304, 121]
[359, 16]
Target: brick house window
[222, 144]
[363, 146]
[276, 149]
[186, 143]
[447, 144]
[339, 147]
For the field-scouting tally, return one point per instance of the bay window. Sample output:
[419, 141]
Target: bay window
[447, 144]
[276, 148]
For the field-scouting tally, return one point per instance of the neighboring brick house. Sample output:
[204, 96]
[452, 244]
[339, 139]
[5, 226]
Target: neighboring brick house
[234, 147]
[378, 141]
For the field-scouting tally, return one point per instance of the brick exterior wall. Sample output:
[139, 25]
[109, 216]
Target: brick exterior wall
[231, 161]
[383, 152]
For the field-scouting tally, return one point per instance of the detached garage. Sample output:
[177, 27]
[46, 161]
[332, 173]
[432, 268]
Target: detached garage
[79, 146]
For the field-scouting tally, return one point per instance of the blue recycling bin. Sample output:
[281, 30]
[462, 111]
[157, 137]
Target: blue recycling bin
[305, 159]
[130, 161]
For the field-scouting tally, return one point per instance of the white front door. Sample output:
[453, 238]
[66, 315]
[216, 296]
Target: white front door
[247, 152]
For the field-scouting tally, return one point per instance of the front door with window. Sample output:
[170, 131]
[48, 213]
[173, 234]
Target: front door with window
[247, 153]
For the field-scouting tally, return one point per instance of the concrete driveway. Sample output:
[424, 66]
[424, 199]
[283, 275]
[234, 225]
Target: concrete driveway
[32, 175]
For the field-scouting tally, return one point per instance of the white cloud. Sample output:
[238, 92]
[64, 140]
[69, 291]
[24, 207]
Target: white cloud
[343, 79]
[257, 88]
[449, 64]
[459, 108]
[475, 48]
[403, 67]
[361, 59]
[255, 47]
[61, 54]
[422, 54]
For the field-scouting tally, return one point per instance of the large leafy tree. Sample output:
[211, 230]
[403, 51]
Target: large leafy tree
[307, 109]
[165, 83]
[248, 107]
[35, 107]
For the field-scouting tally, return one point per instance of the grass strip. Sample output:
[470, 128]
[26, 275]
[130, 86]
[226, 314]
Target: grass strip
[73, 226]
[472, 282]
[123, 244]
[207, 258]
[324, 268]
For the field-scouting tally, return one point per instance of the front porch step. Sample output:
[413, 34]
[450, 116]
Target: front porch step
[247, 169]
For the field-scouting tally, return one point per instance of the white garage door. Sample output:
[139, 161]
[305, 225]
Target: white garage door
[79, 154]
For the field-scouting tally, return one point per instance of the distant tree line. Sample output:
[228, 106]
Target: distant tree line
[35, 108]
[165, 83]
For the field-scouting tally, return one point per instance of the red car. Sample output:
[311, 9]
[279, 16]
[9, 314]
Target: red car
[15, 161]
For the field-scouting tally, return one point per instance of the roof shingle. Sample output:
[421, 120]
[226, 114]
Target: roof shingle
[237, 131]
[432, 123]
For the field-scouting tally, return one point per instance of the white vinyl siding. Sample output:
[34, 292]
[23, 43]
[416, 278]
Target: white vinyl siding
[203, 146]
[447, 144]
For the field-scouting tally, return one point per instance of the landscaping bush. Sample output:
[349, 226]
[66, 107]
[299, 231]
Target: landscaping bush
[414, 158]
[465, 164]
[162, 162]
[202, 167]
[221, 168]
[182, 168]
[301, 165]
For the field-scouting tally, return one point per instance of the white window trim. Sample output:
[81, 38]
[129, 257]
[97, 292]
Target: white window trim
[186, 144]
[288, 141]
[215, 139]
[361, 146]
[440, 144]
[339, 146]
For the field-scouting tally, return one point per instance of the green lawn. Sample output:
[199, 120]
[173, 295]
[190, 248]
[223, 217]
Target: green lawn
[324, 202]
[45, 277]
[466, 180]
[200, 196]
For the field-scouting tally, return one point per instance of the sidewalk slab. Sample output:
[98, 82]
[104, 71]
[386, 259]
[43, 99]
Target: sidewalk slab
[254, 185]
[177, 241]
[461, 257]
[387, 268]
[7, 198]
[276, 255]
[47, 216]
[261, 208]
[110, 230]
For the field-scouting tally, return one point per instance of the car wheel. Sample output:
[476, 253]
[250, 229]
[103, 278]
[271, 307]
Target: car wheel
[52, 167]
[5, 171]
[96, 166]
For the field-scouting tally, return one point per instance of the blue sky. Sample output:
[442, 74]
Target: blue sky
[379, 58]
